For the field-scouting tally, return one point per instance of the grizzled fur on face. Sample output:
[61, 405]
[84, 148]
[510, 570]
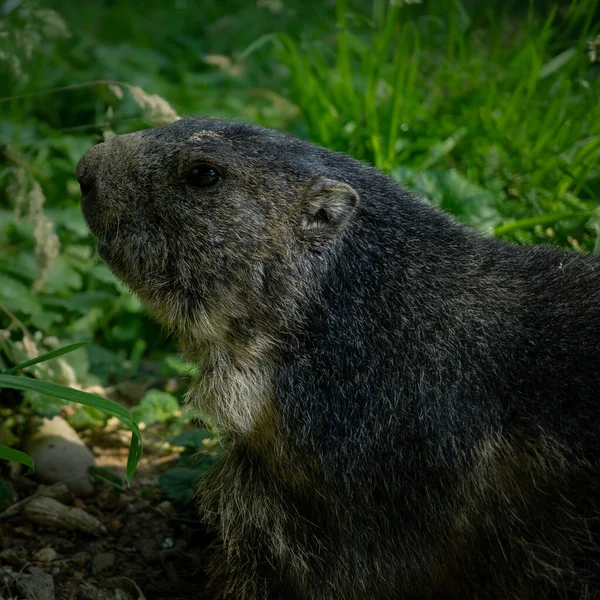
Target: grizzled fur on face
[412, 409]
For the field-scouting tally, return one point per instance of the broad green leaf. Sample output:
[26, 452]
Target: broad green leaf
[180, 483]
[44, 406]
[70, 217]
[99, 355]
[45, 319]
[62, 276]
[102, 273]
[173, 365]
[21, 266]
[455, 194]
[155, 407]
[17, 296]
[87, 417]
[191, 438]
[81, 302]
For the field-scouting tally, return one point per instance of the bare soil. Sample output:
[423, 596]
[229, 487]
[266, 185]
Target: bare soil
[158, 546]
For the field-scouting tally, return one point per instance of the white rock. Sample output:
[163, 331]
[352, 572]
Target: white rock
[45, 555]
[59, 454]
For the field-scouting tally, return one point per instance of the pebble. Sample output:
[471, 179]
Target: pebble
[81, 558]
[168, 543]
[37, 586]
[135, 506]
[59, 454]
[103, 561]
[88, 591]
[45, 555]
[59, 491]
[125, 588]
[166, 509]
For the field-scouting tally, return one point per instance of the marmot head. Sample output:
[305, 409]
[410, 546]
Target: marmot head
[214, 223]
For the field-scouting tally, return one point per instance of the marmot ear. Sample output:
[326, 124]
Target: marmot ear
[326, 207]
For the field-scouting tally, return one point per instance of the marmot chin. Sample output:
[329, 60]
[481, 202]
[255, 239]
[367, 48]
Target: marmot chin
[411, 410]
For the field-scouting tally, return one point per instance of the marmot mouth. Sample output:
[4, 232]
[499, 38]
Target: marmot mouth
[105, 226]
[129, 268]
[99, 222]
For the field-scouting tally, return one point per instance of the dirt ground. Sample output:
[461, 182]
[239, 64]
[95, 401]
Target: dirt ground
[146, 548]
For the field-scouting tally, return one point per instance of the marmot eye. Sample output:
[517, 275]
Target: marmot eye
[202, 175]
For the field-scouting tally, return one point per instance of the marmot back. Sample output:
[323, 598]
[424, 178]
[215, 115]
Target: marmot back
[411, 409]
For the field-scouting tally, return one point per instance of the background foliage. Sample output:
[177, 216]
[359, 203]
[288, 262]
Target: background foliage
[489, 109]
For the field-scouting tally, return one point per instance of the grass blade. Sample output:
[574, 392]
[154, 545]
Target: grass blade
[554, 64]
[44, 357]
[258, 43]
[60, 391]
[17, 456]
[544, 220]
[66, 393]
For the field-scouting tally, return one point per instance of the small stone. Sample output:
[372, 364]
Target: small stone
[166, 509]
[168, 543]
[59, 491]
[149, 551]
[59, 454]
[37, 586]
[131, 509]
[103, 561]
[45, 555]
[137, 505]
[81, 558]
[35, 570]
[88, 591]
[125, 588]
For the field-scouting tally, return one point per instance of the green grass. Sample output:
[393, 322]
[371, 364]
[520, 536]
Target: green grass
[510, 103]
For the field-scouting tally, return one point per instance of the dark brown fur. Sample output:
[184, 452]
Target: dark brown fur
[410, 409]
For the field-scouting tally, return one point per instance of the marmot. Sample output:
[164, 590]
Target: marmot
[411, 409]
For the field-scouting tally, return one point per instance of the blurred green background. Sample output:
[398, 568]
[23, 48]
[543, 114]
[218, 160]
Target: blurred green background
[490, 109]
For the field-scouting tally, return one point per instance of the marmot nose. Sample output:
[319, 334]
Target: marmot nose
[87, 171]
[86, 185]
